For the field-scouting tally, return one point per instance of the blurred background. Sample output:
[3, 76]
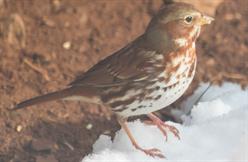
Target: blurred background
[44, 44]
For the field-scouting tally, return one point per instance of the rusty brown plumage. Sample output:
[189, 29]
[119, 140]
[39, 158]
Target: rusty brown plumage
[146, 75]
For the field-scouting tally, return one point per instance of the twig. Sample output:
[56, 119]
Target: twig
[68, 145]
[203, 93]
[199, 98]
[233, 76]
[38, 69]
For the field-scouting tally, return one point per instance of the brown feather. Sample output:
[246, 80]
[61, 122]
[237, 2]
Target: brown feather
[80, 91]
[126, 65]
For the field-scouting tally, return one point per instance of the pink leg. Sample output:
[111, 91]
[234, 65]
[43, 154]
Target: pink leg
[162, 126]
[151, 152]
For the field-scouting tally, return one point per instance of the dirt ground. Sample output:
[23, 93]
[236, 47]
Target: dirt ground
[44, 44]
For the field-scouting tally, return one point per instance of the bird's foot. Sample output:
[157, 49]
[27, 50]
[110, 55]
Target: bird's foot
[151, 152]
[154, 152]
[163, 127]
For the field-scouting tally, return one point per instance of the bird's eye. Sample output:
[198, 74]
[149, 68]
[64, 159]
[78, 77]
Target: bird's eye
[188, 19]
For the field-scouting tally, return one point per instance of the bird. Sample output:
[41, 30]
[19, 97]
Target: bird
[146, 75]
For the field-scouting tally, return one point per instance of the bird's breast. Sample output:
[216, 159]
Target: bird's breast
[164, 89]
[179, 64]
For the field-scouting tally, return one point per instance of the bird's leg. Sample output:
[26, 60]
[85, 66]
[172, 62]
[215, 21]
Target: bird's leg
[151, 152]
[163, 126]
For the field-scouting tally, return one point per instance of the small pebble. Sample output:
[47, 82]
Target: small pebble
[19, 128]
[89, 126]
[67, 45]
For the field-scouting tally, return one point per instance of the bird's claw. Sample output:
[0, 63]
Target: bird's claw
[154, 152]
[163, 127]
[172, 129]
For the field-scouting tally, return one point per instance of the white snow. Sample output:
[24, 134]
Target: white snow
[216, 130]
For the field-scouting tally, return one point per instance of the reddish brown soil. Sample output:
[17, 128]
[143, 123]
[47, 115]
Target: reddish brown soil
[34, 61]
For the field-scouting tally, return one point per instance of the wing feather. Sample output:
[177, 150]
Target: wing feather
[126, 65]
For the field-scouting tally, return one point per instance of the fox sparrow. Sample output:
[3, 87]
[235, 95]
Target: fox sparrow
[146, 75]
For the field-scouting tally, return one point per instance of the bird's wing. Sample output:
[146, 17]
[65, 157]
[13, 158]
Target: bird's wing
[131, 63]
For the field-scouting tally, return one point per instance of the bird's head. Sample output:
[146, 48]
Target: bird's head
[177, 24]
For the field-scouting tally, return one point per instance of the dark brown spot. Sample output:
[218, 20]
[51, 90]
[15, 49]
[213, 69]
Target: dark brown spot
[157, 88]
[161, 79]
[125, 102]
[173, 85]
[121, 109]
[148, 98]
[158, 97]
[150, 90]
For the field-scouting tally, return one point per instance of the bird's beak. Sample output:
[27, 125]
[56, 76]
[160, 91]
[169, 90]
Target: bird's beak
[205, 20]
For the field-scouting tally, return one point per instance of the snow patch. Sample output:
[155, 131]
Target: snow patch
[217, 130]
[208, 110]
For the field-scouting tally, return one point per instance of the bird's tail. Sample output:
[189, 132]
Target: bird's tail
[61, 94]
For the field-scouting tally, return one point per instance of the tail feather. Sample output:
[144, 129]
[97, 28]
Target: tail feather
[45, 98]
